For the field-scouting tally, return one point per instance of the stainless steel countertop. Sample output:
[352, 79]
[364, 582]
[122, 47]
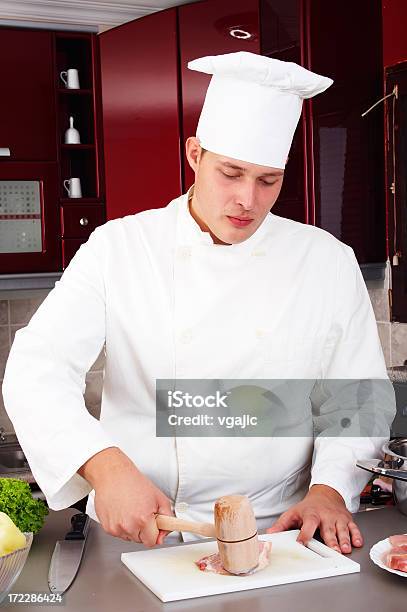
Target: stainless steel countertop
[104, 584]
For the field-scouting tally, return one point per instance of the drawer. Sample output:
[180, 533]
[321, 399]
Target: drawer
[79, 220]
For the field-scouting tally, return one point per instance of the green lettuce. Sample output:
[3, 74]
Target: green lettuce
[18, 503]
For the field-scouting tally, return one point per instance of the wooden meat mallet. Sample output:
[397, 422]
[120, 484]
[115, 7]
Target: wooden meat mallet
[235, 531]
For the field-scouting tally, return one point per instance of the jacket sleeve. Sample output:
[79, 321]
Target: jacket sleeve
[44, 381]
[354, 403]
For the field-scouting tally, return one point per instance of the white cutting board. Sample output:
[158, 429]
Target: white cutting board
[171, 574]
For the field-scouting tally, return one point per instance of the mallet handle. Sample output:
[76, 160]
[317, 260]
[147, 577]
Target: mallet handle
[172, 523]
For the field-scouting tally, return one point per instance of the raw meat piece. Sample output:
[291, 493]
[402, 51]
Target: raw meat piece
[398, 540]
[396, 559]
[400, 548]
[212, 563]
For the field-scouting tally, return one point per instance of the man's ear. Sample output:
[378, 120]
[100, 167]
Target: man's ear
[193, 152]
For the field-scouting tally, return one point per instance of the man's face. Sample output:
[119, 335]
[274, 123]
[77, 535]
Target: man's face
[231, 198]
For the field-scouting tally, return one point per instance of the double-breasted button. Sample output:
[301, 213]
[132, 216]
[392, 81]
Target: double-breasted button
[181, 507]
[185, 336]
[184, 253]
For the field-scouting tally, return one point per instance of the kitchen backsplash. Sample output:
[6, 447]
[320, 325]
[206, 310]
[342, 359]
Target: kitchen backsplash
[16, 313]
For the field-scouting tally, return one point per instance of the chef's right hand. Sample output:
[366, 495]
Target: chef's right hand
[126, 501]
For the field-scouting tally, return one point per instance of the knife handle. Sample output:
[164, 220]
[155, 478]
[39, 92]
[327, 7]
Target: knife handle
[80, 526]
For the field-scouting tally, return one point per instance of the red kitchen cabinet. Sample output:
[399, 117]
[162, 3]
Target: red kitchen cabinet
[396, 164]
[35, 108]
[210, 28]
[395, 63]
[84, 160]
[282, 38]
[394, 14]
[334, 175]
[345, 163]
[141, 114]
[138, 102]
[26, 69]
[152, 101]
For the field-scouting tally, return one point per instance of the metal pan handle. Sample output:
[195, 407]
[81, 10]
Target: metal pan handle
[384, 468]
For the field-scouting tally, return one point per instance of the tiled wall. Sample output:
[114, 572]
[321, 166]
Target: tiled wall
[393, 335]
[15, 313]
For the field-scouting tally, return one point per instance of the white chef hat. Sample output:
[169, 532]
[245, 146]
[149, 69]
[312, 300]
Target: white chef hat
[253, 105]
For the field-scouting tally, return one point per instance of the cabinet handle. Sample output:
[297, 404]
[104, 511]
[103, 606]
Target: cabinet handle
[5, 152]
[241, 34]
[84, 221]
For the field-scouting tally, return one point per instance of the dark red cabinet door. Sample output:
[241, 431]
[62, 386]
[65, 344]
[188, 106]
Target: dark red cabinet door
[348, 153]
[140, 114]
[27, 101]
[281, 39]
[210, 28]
[396, 120]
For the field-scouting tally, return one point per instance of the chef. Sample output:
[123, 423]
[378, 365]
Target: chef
[211, 286]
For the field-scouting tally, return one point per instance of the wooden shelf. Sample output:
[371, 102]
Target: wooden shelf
[80, 201]
[75, 92]
[82, 147]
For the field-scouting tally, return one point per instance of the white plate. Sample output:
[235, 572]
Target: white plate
[376, 553]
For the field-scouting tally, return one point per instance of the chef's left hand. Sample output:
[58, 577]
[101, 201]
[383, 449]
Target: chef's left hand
[325, 508]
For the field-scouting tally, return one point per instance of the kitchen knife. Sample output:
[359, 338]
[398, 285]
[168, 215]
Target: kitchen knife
[67, 554]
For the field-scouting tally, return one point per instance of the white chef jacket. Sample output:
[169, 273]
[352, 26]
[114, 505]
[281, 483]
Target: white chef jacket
[288, 302]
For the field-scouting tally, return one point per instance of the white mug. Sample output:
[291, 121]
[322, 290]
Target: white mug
[71, 78]
[73, 187]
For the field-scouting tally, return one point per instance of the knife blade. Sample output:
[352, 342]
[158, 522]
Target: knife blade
[67, 555]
